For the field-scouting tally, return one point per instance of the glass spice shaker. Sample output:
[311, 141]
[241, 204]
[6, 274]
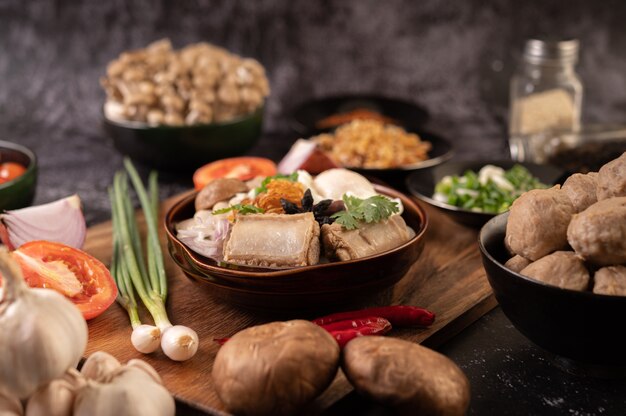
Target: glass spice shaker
[546, 95]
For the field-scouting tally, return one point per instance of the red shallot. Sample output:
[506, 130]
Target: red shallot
[60, 221]
[305, 155]
[205, 233]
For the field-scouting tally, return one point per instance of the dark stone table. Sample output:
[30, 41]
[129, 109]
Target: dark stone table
[453, 58]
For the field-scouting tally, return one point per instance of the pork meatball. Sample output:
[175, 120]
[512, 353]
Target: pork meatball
[516, 263]
[598, 234]
[561, 268]
[612, 179]
[537, 223]
[581, 190]
[610, 281]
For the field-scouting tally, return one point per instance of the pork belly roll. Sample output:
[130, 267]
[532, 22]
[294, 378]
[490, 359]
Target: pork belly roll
[368, 239]
[274, 240]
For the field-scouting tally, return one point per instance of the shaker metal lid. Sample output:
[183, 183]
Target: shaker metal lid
[551, 51]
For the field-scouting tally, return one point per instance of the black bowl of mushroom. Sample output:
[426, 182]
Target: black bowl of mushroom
[179, 109]
[557, 264]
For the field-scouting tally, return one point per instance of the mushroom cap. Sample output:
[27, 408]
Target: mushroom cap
[411, 378]
[218, 190]
[276, 368]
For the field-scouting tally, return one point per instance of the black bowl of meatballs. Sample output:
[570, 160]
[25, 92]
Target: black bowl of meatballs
[557, 265]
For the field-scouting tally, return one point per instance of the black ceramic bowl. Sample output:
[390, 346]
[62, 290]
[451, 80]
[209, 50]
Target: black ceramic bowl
[580, 326]
[19, 192]
[305, 118]
[185, 148]
[421, 184]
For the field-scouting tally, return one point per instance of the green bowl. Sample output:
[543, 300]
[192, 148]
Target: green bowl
[185, 148]
[19, 192]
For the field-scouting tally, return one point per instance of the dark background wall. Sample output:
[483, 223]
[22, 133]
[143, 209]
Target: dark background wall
[454, 58]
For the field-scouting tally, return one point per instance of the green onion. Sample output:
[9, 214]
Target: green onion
[467, 192]
[147, 277]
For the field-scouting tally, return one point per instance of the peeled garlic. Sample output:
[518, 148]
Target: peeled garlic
[10, 406]
[57, 397]
[43, 333]
[129, 390]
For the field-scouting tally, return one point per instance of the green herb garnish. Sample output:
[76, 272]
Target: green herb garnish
[373, 209]
[242, 209]
[263, 188]
[492, 196]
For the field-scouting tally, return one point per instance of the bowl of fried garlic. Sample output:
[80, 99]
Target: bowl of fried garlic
[179, 109]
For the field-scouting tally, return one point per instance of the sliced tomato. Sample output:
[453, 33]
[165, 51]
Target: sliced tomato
[10, 171]
[79, 276]
[242, 168]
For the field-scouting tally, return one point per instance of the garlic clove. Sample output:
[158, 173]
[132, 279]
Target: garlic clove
[99, 366]
[57, 397]
[145, 367]
[10, 406]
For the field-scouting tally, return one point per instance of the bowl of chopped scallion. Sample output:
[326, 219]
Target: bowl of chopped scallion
[472, 192]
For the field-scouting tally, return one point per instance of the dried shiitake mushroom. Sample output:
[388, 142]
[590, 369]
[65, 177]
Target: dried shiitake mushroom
[414, 380]
[276, 368]
[200, 83]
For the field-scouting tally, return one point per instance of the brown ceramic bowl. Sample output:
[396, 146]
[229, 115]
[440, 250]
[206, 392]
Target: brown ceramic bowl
[301, 288]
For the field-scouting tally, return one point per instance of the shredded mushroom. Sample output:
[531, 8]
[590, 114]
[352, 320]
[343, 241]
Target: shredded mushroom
[200, 83]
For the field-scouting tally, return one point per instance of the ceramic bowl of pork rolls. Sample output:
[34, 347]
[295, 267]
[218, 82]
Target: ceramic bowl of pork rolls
[557, 264]
[296, 254]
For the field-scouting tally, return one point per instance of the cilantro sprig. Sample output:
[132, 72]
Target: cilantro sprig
[373, 209]
[293, 177]
[242, 209]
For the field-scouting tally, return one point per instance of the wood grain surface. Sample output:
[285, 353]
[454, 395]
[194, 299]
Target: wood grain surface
[448, 279]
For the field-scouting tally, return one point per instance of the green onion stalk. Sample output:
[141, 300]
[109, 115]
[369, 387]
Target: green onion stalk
[144, 276]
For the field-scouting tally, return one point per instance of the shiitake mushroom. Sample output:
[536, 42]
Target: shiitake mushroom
[218, 190]
[276, 368]
[412, 379]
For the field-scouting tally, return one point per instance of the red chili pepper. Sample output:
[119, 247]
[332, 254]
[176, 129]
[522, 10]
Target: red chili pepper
[374, 326]
[398, 315]
[354, 323]
[221, 341]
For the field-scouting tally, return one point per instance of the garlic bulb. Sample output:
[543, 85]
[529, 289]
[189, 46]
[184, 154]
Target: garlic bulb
[57, 397]
[10, 406]
[129, 390]
[103, 387]
[48, 334]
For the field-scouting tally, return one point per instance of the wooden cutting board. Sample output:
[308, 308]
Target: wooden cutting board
[448, 279]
